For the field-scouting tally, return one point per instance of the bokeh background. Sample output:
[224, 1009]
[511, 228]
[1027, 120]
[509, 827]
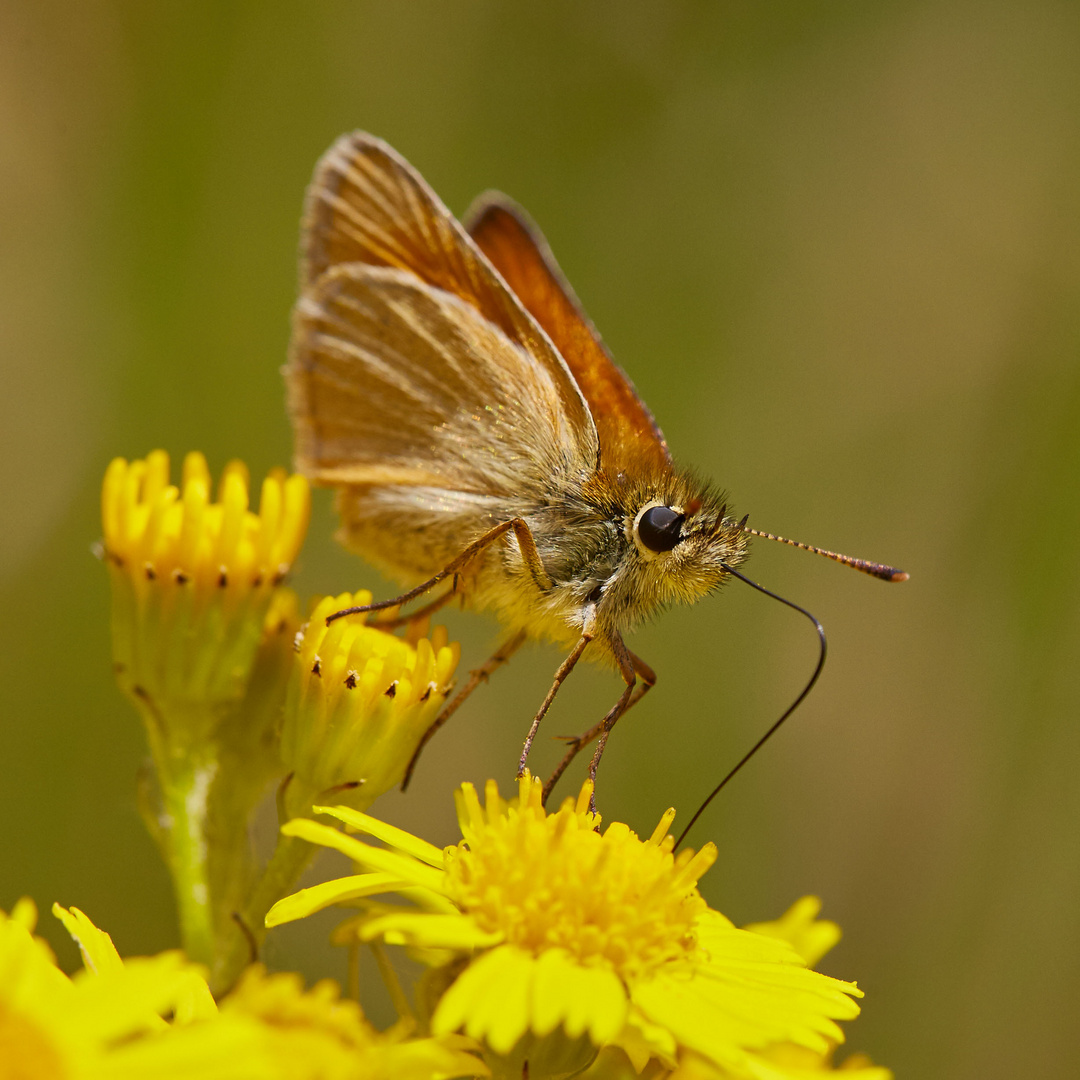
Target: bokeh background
[836, 246]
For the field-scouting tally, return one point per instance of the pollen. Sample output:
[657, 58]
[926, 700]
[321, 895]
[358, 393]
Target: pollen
[553, 881]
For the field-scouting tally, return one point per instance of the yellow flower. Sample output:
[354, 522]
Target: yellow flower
[560, 933]
[359, 700]
[104, 1022]
[193, 579]
[317, 1035]
[107, 1022]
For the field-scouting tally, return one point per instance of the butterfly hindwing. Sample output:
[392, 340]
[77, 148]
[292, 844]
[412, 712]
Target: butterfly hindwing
[516, 248]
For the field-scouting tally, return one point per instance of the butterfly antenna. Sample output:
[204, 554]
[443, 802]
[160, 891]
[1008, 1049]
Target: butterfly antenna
[874, 569]
[787, 712]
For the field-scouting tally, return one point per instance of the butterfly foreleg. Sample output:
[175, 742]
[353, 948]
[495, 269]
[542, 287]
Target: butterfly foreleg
[476, 677]
[639, 681]
[529, 555]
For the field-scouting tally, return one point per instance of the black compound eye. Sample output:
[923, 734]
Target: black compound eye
[660, 528]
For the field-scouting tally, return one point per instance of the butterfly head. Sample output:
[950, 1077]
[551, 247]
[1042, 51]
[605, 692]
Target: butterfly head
[679, 538]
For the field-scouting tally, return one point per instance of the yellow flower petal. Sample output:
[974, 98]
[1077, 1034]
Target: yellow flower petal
[25, 913]
[308, 901]
[98, 952]
[641, 1040]
[29, 977]
[508, 993]
[810, 936]
[390, 862]
[583, 1000]
[119, 1003]
[748, 996]
[388, 834]
[428, 931]
[489, 1000]
[194, 1002]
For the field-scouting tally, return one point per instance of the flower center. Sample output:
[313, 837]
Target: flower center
[552, 881]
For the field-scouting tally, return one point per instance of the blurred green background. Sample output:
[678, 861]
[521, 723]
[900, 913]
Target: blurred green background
[835, 245]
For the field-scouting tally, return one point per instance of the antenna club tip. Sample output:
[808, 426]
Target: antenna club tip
[899, 575]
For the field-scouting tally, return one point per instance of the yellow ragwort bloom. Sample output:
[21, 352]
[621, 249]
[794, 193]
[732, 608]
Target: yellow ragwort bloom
[316, 1035]
[192, 578]
[108, 1022]
[558, 933]
[359, 700]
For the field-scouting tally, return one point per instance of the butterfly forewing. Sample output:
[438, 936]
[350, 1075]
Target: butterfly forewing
[394, 382]
[515, 247]
[418, 383]
[366, 205]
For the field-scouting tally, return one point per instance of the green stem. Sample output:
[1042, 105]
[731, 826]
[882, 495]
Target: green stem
[290, 859]
[184, 780]
[184, 795]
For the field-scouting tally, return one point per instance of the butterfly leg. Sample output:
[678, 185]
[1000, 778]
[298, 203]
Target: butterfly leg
[640, 681]
[417, 616]
[568, 665]
[476, 677]
[529, 554]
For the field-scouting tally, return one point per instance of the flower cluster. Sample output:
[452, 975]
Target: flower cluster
[235, 695]
[551, 947]
[154, 1017]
